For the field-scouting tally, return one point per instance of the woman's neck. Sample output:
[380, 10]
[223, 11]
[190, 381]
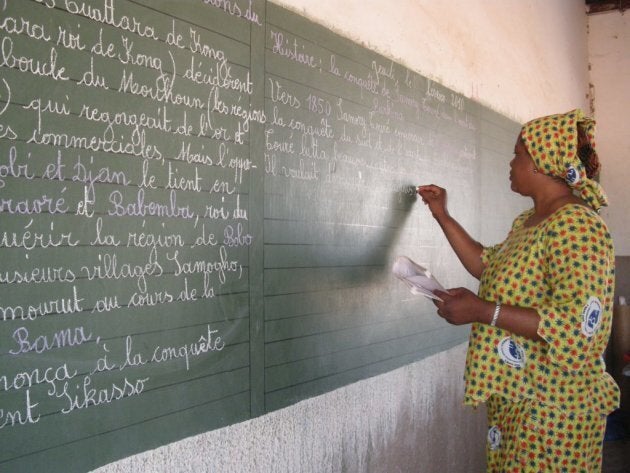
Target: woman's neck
[552, 197]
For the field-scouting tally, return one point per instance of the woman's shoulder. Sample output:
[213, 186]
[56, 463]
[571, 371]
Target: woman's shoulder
[576, 219]
[574, 213]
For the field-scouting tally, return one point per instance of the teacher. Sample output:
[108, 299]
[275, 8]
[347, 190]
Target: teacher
[542, 319]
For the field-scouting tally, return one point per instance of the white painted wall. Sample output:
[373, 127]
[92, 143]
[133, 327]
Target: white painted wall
[524, 58]
[609, 46]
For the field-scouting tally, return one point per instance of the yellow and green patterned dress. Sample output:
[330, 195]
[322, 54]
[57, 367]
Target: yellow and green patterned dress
[547, 400]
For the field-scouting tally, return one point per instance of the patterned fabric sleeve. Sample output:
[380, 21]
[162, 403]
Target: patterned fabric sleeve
[576, 320]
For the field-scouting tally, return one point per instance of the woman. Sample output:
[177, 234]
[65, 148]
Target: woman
[542, 319]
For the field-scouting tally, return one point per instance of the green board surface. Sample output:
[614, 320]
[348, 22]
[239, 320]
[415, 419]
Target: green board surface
[200, 204]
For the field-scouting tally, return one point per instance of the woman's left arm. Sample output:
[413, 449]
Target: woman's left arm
[460, 306]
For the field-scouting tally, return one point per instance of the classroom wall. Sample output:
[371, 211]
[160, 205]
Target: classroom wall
[523, 59]
[608, 41]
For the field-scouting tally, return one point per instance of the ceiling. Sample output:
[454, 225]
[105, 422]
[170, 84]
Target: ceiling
[598, 6]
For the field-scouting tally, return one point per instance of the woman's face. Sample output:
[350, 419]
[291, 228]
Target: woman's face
[522, 169]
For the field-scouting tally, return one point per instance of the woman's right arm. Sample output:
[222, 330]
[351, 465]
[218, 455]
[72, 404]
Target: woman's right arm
[466, 248]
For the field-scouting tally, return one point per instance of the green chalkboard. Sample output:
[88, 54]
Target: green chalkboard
[200, 203]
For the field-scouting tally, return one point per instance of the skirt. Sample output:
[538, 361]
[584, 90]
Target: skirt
[528, 437]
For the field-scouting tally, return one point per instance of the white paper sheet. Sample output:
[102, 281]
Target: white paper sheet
[418, 278]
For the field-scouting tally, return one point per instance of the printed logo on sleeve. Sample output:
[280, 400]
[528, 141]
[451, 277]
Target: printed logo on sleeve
[573, 176]
[494, 437]
[511, 353]
[591, 316]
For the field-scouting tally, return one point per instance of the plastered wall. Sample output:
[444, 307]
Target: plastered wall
[609, 43]
[521, 58]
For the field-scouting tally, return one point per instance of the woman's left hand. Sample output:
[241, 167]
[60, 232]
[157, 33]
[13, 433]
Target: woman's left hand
[461, 306]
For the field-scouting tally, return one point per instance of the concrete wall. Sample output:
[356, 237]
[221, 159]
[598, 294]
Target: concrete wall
[522, 58]
[609, 43]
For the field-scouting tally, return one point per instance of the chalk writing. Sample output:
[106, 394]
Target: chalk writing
[232, 8]
[70, 145]
[50, 375]
[293, 50]
[49, 106]
[59, 306]
[108, 267]
[106, 13]
[140, 206]
[63, 338]
[17, 417]
[208, 342]
[32, 239]
[141, 157]
[69, 40]
[48, 68]
[36, 205]
[13, 169]
[86, 396]
[20, 25]
[221, 266]
[39, 275]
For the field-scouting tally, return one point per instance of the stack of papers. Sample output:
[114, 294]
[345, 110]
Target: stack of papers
[418, 278]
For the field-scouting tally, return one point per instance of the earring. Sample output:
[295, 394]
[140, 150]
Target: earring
[535, 171]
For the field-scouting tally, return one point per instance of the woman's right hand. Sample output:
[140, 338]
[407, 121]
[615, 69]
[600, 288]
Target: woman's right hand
[435, 197]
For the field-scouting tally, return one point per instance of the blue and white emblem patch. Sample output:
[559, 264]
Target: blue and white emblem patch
[591, 316]
[494, 437]
[573, 176]
[511, 352]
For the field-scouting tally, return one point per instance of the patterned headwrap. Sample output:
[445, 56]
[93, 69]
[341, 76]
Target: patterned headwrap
[552, 143]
